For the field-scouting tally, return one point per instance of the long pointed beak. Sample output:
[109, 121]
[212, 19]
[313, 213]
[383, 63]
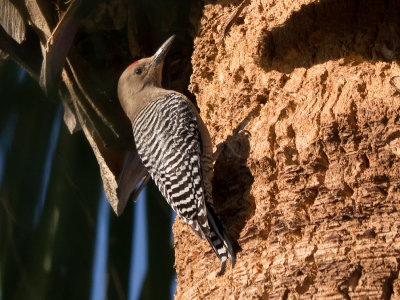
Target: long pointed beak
[159, 56]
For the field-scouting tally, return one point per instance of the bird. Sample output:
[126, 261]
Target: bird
[175, 147]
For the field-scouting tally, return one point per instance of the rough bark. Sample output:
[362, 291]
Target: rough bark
[308, 93]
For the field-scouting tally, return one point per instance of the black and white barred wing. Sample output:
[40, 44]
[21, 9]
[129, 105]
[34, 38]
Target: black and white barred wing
[168, 140]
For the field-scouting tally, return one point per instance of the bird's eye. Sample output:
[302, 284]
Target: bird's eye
[138, 71]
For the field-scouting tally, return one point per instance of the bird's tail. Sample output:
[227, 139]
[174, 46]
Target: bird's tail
[218, 240]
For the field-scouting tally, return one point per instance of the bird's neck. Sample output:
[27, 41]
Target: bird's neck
[144, 97]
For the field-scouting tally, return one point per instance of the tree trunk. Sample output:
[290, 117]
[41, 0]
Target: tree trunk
[308, 95]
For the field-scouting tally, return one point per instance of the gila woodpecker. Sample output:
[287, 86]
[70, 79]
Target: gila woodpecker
[175, 147]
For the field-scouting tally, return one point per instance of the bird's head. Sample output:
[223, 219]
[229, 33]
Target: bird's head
[142, 77]
[141, 81]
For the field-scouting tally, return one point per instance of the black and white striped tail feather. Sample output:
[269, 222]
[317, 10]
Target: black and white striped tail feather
[219, 241]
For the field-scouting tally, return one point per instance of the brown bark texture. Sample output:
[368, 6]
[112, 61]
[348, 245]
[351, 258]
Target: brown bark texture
[308, 94]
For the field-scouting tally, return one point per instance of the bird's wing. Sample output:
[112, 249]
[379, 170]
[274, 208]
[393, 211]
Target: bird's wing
[168, 140]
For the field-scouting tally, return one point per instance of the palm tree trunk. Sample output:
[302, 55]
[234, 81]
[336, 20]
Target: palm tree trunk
[308, 95]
